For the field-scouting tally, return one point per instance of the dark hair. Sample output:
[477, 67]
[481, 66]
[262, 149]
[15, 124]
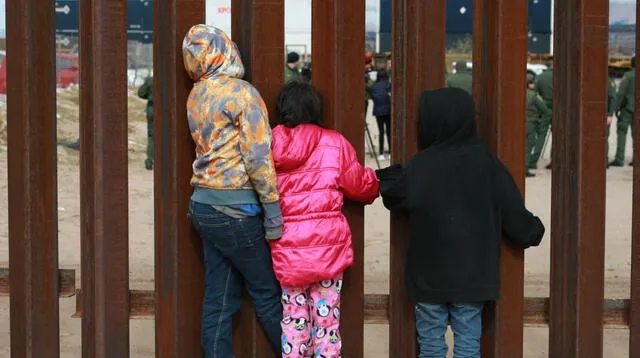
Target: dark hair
[382, 75]
[299, 103]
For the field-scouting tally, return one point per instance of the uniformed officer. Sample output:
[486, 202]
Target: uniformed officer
[625, 108]
[611, 99]
[544, 86]
[146, 92]
[537, 113]
[462, 79]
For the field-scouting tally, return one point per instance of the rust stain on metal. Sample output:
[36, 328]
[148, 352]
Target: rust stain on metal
[178, 250]
[66, 282]
[104, 178]
[33, 222]
[500, 83]
[579, 179]
[338, 73]
[263, 58]
[376, 309]
[415, 68]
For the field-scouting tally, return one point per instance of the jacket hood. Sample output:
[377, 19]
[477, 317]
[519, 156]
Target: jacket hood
[446, 118]
[209, 52]
[292, 147]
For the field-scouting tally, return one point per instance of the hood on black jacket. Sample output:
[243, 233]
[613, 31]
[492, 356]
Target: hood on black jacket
[446, 118]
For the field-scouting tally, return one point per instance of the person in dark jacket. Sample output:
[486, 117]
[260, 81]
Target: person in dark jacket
[146, 92]
[460, 200]
[380, 94]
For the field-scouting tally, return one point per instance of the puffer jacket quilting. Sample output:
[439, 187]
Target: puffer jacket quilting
[316, 169]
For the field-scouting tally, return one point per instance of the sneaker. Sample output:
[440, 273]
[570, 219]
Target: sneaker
[73, 145]
[529, 174]
[630, 164]
[548, 167]
[148, 165]
[616, 163]
[382, 157]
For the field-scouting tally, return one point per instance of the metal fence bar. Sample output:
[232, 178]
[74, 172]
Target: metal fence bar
[501, 36]
[263, 58]
[376, 309]
[338, 73]
[66, 281]
[634, 314]
[416, 67]
[104, 178]
[579, 179]
[178, 251]
[33, 221]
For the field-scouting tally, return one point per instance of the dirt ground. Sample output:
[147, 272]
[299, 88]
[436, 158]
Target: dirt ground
[618, 235]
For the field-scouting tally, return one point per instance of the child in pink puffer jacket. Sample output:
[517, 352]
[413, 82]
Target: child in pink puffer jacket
[316, 168]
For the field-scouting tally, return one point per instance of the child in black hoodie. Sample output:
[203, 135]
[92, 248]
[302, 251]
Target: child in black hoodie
[461, 200]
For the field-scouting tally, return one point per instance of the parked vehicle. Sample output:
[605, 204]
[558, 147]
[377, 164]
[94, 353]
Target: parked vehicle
[67, 70]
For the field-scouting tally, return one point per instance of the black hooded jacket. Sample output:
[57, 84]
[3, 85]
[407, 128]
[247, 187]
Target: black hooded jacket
[461, 200]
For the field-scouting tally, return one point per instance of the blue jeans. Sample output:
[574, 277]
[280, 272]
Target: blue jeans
[431, 325]
[235, 250]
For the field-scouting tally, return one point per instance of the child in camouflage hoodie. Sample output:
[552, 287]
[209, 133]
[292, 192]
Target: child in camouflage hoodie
[235, 187]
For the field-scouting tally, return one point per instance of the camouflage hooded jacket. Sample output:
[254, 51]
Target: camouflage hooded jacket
[229, 124]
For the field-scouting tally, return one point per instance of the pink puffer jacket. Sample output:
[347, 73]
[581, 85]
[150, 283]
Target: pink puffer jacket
[316, 167]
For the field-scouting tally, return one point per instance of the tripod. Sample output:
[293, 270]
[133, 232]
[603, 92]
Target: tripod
[370, 147]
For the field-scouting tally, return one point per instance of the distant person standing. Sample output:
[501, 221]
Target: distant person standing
[146, 92]
[380, 94]
[291, 70]
[544, 85]
[368, 82]
[537, 113]
[625, 107]
[612, 90]
[462, 79]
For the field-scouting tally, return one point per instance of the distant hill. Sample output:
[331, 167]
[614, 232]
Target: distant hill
[622, 13]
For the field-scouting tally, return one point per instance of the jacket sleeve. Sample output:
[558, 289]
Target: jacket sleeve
[611, 97]
[545, 112]
[145, 90]
[393, 187]
[357, 182]
[520, 227]
[255, 146]
[621, 96]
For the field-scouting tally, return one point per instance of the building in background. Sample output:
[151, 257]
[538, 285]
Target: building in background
[459, 24]
[297, 22]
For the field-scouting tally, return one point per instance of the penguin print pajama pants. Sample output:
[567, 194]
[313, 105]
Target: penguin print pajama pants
[311, 320]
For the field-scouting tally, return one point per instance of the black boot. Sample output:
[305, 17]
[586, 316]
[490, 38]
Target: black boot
[616, 163]
[548, 167]
[529, 174]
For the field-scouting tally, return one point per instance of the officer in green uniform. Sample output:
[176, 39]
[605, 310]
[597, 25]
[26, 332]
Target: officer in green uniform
[544, 86]
[291, 71]
[146, 92]
[612, 90]
[625, 107]
[462, 79]
[537, 113]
